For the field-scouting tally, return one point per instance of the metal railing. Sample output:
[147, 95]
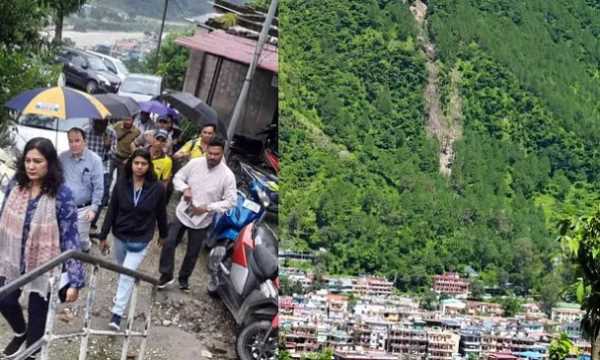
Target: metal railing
[86, 331]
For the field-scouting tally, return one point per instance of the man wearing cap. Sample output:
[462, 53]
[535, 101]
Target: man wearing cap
[163, 165]
[84, 175]
[167, 123]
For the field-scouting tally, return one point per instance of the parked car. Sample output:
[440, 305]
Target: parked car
[29, 126]
[7, 170]
[87, 72]
[114, 65]
[142, 87]
[103, 48]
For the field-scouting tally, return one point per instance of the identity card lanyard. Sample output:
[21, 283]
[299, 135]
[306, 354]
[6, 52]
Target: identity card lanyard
[136, 196]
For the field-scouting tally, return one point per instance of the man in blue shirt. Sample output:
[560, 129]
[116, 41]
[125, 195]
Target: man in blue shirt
[84, 175]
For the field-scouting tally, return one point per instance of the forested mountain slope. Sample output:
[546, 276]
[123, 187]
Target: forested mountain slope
[372, 194]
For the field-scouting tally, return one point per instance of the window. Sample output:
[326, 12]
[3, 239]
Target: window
[110, 66]
[96, 64]
[52, 123]
[78, 60]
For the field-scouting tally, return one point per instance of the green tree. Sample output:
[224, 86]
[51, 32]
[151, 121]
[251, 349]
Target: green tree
[21, 22]
[511, 306]
[477, 289]
[284, 355]
[173, 61]
[429, 300]
[324, 354]
[61, 9]
[549, 291]
[580, 238]
[561, 347]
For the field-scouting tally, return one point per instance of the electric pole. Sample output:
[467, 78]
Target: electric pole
[250, 74]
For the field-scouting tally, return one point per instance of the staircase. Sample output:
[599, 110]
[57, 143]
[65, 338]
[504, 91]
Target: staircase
[83, 335]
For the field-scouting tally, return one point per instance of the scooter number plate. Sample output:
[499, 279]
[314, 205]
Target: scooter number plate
[251, 205]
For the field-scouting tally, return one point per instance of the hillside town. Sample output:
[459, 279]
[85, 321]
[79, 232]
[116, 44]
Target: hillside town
[361, 318]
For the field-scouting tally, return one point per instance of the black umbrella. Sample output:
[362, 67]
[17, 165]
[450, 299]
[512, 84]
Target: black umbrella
[119, 106]
[195, 110]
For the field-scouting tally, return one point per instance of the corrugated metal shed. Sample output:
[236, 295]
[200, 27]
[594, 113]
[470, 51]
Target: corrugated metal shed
[231, 47]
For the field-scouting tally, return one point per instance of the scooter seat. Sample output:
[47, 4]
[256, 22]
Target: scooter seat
[266, 263]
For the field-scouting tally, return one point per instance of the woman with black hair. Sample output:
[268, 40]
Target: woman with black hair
[38, 221]
[136, 206]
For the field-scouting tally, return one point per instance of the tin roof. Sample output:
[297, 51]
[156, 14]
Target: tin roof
[231, 47]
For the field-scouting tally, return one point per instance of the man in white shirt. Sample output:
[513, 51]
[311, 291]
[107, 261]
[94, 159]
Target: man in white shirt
[208, 186]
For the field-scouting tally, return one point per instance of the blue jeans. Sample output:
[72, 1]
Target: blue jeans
[129, 260]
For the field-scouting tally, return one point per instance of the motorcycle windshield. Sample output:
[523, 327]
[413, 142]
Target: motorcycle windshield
[235, 218]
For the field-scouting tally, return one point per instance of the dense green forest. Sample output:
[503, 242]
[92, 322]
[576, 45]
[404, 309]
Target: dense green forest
[360, 174]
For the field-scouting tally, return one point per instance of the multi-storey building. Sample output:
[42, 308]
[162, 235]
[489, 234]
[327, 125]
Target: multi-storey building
[372, 333]
[484, 308]
[286, 305]
[301, 338]
[441, 345]
[298, 276]
[435, 344]
[511, 343]
[373, 286]
[470, 343]
[532, 311]
[364, 286]
[408, 341]
[340, 284]
[451, 284]
[337, 306]
[339, 340]
[566, 312]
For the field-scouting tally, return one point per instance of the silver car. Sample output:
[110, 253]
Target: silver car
[141, 87]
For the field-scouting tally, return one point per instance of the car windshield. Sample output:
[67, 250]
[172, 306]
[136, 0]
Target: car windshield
[121, 67]
[52, 123]
[141, 86]
[96, 64]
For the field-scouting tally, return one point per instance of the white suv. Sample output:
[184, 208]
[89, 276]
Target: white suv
[115, 65]
[141, 87]
[29, 126]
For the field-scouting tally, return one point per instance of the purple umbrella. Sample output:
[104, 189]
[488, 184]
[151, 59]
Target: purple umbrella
[156, 107]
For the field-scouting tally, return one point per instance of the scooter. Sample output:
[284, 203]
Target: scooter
[243, 270]
[253, 179]
[244, 274]
[263, 154]
[270, 151]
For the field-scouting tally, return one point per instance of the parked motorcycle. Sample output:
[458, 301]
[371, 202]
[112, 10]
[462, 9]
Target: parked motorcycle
[243, 270]
[262, 154]
[253, 180]
[243, 273]
[270, 149]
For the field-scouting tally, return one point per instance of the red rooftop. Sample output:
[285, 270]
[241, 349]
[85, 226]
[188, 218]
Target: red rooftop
[231, 47]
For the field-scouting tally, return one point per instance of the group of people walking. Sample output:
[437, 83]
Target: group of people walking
[54, 201]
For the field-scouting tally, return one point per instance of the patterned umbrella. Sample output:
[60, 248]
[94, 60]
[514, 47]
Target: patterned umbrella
[59, 102]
